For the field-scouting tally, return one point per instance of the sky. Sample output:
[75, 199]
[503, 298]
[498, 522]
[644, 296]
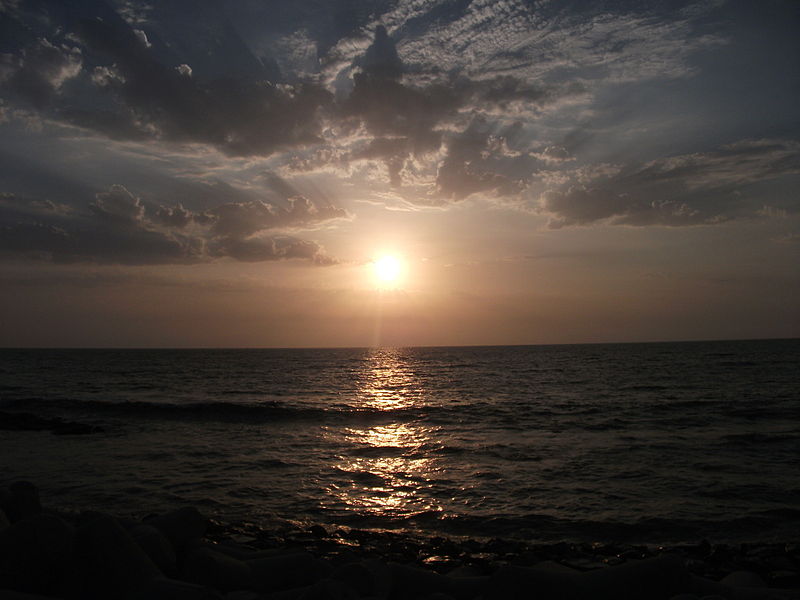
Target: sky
[196, 173]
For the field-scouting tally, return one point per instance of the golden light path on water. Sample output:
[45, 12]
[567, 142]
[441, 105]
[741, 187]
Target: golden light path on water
[390, 469]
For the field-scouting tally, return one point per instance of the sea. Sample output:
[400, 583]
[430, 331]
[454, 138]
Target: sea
[650, 443]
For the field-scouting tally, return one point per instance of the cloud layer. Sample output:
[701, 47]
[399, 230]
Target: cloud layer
[430, 103]
[117, 227]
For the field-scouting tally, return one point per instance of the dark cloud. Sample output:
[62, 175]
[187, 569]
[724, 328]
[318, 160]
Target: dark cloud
[139, 85]
[412, 120]
[238, 116]
[381, 59]
[694, 189]
[257, 249]
[120, 228]
[480, 161]
[118, 205]
[39, 71]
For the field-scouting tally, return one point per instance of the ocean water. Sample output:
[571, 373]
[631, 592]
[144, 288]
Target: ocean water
[642, 443]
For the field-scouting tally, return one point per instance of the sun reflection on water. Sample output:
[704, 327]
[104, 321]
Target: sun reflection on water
[385, 469]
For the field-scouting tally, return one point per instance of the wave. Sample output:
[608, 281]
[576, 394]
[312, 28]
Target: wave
[776, 524]
[270, 410]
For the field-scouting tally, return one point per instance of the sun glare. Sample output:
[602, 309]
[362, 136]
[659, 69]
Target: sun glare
[388, 269]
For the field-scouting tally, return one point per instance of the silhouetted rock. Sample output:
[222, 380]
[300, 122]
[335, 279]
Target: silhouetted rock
[216, 570]
[34, 554]
[113, 563]
[20, 500]
[173, 589]
[281, 572]
[156, 546]
[182, 527]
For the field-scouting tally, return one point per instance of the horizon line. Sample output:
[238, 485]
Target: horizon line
[389, 347]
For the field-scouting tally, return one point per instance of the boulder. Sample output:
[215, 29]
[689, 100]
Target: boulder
[110, 563]
[156, 546]
[275, 573]
[20, 501]
[34, 554]
[743, 579]
[206, 567]
[12, 595]
[412, 582]
[370, 577]
[172, 589]
[182, 527]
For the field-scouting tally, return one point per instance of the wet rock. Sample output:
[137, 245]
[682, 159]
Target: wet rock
[217, 570]
[34, 554]
[318, 531]
[156, 546]
[182, 527]
[441, 564]
[785, 579]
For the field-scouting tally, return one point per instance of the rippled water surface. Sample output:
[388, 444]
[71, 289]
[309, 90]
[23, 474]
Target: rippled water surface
[648, 442]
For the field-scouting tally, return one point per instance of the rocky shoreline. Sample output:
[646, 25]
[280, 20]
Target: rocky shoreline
[183, 555]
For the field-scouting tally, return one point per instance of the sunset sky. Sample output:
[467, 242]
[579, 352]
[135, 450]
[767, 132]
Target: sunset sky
[181, 173]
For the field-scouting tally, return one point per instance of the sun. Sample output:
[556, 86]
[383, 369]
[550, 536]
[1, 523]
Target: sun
[388, 269]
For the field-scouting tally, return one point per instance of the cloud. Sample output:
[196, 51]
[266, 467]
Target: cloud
[120, 228]
[257, 249]
[236, 116]
[691, 189]
[39, 71]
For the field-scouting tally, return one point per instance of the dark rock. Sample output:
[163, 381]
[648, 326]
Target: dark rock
[369, 577]
[34, 554]
[217, 570]
[156, 546]
[327, 589]
[12, 595]
[172, 589]
[182, 527]
[440, 564]
[413, 582]
[21, 501]
[743, 579]
[318, 531]
[111, 563]
[787, 579]
[281, 572]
